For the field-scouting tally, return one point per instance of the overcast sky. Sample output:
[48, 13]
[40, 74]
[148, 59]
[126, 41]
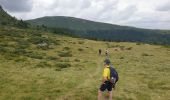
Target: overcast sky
[154, 14]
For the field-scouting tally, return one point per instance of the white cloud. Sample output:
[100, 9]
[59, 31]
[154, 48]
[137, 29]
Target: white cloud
[16, 5]
[165, 6]
[138, 13]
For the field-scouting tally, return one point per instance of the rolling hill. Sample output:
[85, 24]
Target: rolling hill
[70, 68]
[103, 31]
[73, 23]
[5, 18]
[8, 20]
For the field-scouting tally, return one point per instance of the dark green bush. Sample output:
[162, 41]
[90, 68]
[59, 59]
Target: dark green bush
[110, 46]
[19, 51]
[66, 48]
[4, 44]
[63, 65]
[80, 42]
[3, 23]
[130, 48]
[52, 58]
[138, 43]
[37, 40]
[121, 57]
[77, 60]
[121, 47]
[145, 54]
[23, 44]
[43, 64]
[65, 54]
[20, 59]
[65, 60]
[13, 33]
[3, 49]
[22, 24]
[167, 46]
[34, 55]
[80, 49]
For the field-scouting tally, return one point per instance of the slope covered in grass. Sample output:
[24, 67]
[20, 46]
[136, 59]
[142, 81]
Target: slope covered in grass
[70, 68]
[8, 20]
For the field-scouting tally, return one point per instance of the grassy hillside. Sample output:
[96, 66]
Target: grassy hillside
[102, 31]
[5, 18]
[8, 20]
[70, 68]
[38, 65]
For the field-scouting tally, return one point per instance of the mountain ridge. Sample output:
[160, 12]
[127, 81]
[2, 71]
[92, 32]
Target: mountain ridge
[103, 31]
[89, 29]
[52, 19]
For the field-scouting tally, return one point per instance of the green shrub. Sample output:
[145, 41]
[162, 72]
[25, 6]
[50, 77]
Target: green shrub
[155, 84]
[66, 60]
[130, 48]
[66, 48]
[13, 33]
[145, 54]
[4, 44]
[3, 49]
[80, 49]
[117, 45]
[110, 46]
[73, 42]
[167, 46]
[80, 42]
[22, 24]
[3, 23]
[77, 60]
[65, 54]
[121, 47]
[121, 57]
[23, 52]
[43, 64]
[10, 55]
[138, 43]
[23, 44]
[19, 51]
[20, 59]
[37, 40]
[63, 65]
[78, 67]
[57, 69]
[35, 55]
[52, 58]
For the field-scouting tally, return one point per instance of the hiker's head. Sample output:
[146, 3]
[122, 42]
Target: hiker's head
[107, 62]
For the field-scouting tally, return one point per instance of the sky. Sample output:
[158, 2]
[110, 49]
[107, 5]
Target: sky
[151, 14]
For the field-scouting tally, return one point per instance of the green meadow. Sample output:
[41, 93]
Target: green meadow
[71, 69]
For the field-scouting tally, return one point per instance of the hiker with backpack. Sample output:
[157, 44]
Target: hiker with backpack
[106, 52]
[100, 51]
[110, 77]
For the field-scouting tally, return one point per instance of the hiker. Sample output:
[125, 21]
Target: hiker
[110, 77]
[106, 52]
[100, 51]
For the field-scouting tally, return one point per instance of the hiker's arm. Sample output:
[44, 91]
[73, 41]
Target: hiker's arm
[104, 79]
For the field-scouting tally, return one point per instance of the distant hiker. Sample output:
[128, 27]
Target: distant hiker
[110, 77]
[106, 52]
[100, 51]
